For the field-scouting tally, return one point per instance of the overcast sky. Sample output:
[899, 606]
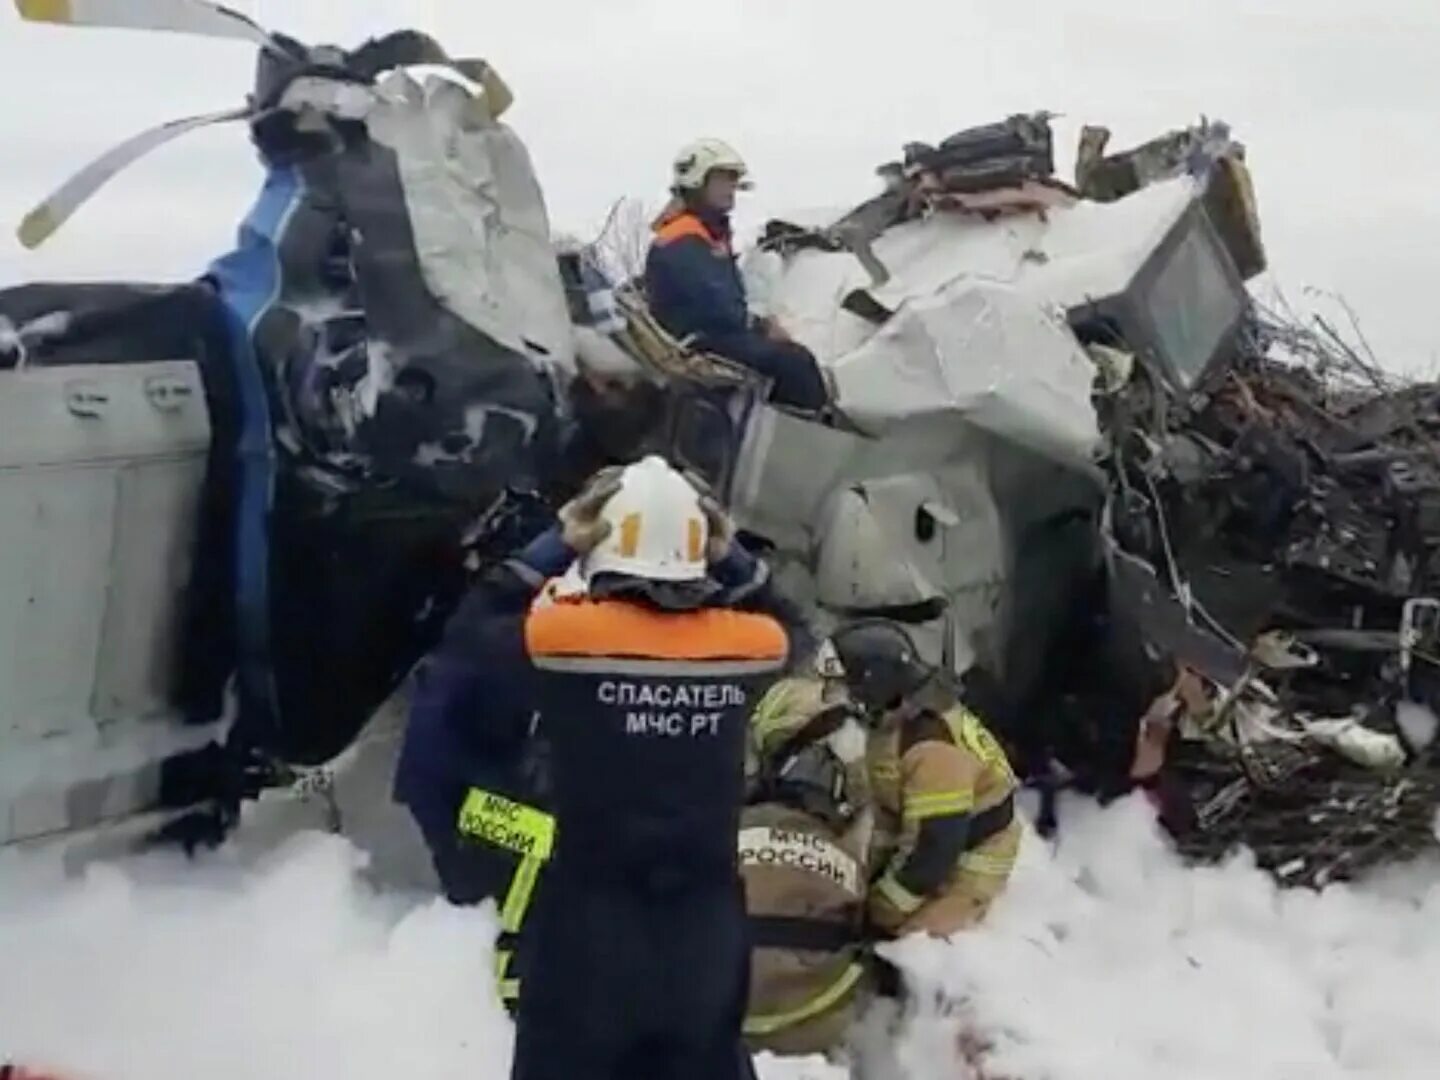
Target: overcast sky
[1337, 100]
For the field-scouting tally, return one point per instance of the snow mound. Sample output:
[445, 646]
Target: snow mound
[287, 965]
[1106, 958]
[291, 967]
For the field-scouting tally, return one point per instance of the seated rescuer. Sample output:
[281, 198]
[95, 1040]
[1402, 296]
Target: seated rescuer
[635, 960]
[694, 287]
[804, 842]
[946, 833]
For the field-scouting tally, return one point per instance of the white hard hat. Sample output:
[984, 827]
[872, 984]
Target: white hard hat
[698, 160]
[657, 527]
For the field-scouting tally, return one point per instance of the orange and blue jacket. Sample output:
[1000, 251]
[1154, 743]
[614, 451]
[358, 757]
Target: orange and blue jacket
[644, 711]
[695, 291]
[693, 285]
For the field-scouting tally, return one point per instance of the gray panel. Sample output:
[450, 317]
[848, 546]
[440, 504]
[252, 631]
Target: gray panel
[55, 533]
[100, 474]
[158, 507]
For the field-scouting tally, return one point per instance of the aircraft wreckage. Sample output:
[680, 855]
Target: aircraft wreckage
[1164, 540]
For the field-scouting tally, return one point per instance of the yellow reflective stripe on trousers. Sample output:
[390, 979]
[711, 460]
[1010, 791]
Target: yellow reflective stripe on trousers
[517, 897]
[936, 803]
[987, 865]
[529, 833]
[769, 1023]
[508, 988]
[494, 819]
[512, 914]
[897, 896]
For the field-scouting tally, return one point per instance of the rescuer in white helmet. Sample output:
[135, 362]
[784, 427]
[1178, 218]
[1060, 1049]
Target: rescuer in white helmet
[695, 290]
[618, 627]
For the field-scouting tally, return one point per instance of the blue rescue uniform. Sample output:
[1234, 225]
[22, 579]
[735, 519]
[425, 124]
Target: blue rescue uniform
[635, 957]
[694, 288]
[472, 769]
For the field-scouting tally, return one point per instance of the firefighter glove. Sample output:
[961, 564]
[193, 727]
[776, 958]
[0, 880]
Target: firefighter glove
[718, 525]
[581, 525]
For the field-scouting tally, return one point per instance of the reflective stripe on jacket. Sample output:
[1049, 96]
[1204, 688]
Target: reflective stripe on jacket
[943, 789]
[528, 834]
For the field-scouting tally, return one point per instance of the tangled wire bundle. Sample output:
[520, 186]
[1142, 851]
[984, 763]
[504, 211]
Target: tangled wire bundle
[1309, 817]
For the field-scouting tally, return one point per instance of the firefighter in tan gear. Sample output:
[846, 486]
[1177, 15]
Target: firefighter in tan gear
[946, 835]
[804, 841]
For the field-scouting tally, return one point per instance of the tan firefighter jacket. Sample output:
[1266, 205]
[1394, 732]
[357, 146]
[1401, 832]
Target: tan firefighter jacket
[945, 832]
[806, 880]
[787, 707]
[805, 889]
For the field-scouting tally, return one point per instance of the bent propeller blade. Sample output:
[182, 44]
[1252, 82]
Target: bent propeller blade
[175, 16]
[42, 222]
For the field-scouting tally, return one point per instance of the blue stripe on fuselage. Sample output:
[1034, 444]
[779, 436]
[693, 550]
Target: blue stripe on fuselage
[250, 282]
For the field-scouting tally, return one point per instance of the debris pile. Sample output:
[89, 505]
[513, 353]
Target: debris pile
[1262, 647]
[1308, 817]
[1267, 631]
[1290, 509]
[1006, 167]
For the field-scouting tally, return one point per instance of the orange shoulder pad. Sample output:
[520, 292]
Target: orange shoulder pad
[680, 227]
[615, 628]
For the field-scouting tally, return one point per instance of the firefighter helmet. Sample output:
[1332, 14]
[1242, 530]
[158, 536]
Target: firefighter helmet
[695, 163]
[658, 530]
[880, 662]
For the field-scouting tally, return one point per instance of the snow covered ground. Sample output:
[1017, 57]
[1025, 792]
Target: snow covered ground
[1110, 959]
[282, 956]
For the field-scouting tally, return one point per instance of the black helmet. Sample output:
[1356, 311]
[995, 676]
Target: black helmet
[881, 663]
